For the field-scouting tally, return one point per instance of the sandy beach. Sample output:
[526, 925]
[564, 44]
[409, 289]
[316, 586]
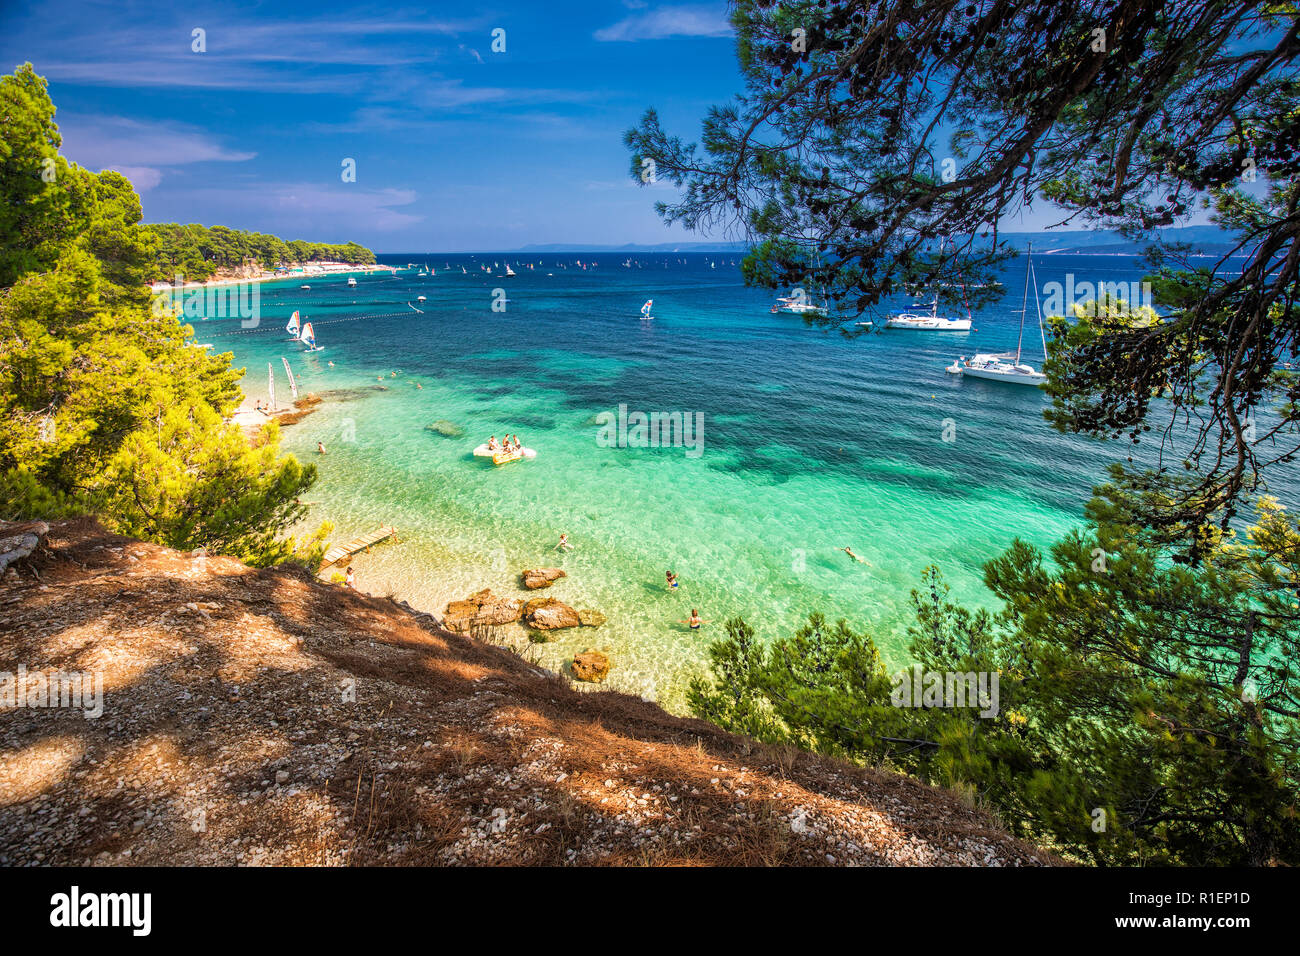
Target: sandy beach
[346, 270]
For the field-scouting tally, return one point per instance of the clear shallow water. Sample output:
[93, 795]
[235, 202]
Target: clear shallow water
[811, 442]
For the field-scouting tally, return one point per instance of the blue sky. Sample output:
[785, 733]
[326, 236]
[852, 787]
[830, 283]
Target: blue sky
[456, 147]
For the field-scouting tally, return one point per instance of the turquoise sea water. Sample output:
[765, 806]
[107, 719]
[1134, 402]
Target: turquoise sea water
[812, 442]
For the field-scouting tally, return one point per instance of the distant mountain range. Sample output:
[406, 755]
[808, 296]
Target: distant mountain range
[1210, 240]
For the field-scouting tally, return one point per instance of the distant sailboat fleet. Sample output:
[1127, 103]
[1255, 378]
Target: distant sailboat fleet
[992, 366]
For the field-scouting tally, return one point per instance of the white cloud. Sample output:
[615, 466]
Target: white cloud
[109, 140]
[140, 151]
[326, 55]
[143, 178]
[688, 21]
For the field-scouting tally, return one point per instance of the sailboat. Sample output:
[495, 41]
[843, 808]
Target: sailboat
[797, 305]
[293, 385]
[645, 309]
[510, 273]
[1006, 366]
[292, 327]
[934, 322]
[308, 338]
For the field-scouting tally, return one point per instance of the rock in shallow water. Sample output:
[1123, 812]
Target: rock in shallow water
[542, 577]
[591, 666]
[446, 429]
[483, 608]
[548, 614]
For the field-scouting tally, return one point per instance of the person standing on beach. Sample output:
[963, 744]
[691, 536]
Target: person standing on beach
[349, 580]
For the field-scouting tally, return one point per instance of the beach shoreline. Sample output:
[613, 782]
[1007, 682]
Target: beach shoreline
[352, 268]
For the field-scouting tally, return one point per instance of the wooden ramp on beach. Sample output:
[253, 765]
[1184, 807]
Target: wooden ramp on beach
[341, 551]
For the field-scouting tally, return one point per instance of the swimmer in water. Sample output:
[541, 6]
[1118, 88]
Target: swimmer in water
[849, 552]
[694, 620]
[564, 544]
[320, 448]
[672, 579]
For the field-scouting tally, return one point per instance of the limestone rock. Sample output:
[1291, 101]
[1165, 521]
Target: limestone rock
[19, 540]
[548, 614]
[591, 666]
[483, 608]
[542, 578]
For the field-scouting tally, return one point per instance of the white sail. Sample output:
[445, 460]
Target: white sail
[292, 327]
[308, 337]
[645, 309]
[293, 386]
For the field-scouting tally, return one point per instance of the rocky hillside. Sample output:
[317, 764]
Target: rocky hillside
[265, 717]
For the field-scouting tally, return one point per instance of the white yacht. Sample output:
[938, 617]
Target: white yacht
[932, 322]
[1007, 366]
[797, 305]
[352, 281]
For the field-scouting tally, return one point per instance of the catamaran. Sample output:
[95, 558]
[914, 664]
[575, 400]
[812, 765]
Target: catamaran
[934, 322]
[1006, 366]
[292, 327]
[308, 338]
[645, 309]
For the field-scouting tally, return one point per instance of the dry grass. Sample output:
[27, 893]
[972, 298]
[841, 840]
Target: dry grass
[313, 725]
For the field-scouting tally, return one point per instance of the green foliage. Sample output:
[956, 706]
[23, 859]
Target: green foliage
[107, 407]
[198, 252]
[729, 696]
[1147, 710]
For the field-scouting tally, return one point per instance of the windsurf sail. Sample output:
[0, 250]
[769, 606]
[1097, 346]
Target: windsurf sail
[308, 337]
[293, 386]
[292, 327]
[645, 309]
